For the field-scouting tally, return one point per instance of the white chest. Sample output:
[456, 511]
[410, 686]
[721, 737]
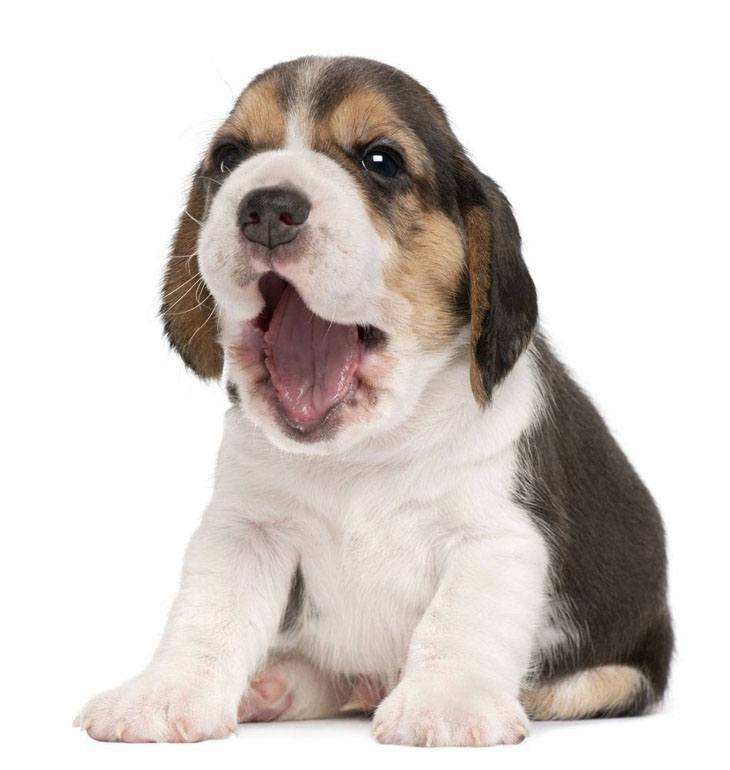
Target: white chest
[369, 567]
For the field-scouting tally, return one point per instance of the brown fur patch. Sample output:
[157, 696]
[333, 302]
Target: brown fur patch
[478, 236]
[366, 116]
[188, 309]
[258, 117]
[428, 246]
[426, 272]
[600, 690]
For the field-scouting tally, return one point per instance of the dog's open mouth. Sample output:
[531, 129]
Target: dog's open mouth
[312, 362]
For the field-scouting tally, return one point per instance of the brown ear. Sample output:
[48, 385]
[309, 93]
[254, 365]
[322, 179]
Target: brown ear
[502, 299]
[188, 309]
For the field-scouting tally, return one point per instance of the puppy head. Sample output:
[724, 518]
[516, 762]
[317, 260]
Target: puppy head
[338, 250]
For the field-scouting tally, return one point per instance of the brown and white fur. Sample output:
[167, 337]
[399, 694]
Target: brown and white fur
[457, 544]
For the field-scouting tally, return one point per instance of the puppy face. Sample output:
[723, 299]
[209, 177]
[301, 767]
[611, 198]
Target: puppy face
[338, 251]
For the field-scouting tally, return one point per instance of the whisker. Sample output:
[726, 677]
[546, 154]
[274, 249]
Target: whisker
[187, 257]
[180, 285]
[201, 285]
[212, 312]
[332, 320]
[210, 179]
[220, 75]
[190, 310]
[197, 221]
[182, 296]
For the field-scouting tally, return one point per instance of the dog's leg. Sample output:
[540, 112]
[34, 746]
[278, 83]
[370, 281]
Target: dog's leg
[234, 588]
[471, 650]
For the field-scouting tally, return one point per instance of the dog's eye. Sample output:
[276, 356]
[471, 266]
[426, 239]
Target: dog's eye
[226, 157]
[382, 161]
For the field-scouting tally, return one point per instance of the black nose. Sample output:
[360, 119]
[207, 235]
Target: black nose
[272, 215]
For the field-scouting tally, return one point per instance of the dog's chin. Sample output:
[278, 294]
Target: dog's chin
[309, 384]
[348, 424]
[343, 427]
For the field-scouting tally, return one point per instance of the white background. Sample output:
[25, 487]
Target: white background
[606, 124]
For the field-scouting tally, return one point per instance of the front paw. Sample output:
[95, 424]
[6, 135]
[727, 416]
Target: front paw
[161, 706]
[436, 712]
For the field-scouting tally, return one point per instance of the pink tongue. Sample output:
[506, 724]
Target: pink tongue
[312, 362]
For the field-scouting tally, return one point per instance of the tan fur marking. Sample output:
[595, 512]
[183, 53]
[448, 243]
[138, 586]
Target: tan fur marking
[257, 116]
[595, 690]
[426, 271]
[478, 237]
[365, 116]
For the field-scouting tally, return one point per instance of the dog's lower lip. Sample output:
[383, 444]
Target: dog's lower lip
[306, 428]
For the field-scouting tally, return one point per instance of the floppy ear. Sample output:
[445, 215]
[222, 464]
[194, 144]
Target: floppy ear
[502, 299]
[188, 309]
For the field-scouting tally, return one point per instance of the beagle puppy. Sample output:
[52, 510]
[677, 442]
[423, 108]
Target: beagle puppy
[417, 513]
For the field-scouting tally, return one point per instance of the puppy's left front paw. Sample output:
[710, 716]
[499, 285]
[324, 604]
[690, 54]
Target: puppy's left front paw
[435, 712]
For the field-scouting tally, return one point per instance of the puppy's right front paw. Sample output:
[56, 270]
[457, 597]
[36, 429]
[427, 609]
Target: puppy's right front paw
[161, 707]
